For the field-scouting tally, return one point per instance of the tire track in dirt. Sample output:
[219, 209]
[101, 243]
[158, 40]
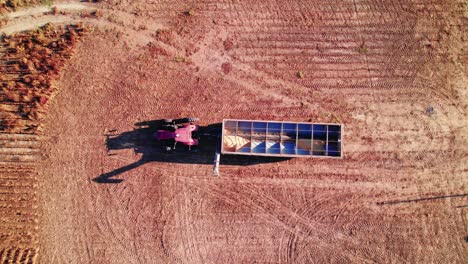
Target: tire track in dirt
[282, 217]
[323, 22]
[418, 127]
[363, 187]
[245, 75]
[327, 214]
[171, 203]
[192, 252]
[291, 248]
[139, 232]
[185, 213]
[110, 225]
[349, 205]
[292, 253]
[130, 221]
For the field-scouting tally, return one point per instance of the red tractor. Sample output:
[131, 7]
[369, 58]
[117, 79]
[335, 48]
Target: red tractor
[178, 131]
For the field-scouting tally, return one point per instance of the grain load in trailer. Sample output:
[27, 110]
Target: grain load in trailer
[281, 138]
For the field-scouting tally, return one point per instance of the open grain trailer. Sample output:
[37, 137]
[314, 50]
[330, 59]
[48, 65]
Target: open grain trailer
[279, 139]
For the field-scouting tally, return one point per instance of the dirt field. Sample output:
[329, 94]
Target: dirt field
[392, 72]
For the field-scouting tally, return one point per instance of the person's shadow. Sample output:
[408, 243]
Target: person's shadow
[143, 141]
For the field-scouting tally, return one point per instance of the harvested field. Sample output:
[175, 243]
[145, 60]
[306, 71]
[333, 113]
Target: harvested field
[30, 62]
[392, 72]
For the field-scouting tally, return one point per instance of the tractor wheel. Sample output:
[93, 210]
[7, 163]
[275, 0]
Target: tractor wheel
[170, 127]
[186, 120]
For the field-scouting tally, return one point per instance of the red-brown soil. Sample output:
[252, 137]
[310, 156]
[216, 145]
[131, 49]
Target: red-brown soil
[30, 62]
[392, 73]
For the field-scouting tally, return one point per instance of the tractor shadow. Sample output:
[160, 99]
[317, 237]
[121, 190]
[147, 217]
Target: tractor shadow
[141, 139]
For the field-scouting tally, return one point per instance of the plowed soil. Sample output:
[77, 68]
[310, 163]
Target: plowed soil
[392, 72]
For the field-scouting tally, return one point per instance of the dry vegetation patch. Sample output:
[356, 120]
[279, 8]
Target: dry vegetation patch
[30, 62]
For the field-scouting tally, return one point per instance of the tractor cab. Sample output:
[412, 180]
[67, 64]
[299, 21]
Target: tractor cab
[184, 135]
[178, 131]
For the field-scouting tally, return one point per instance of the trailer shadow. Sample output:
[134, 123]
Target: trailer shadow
[142, 141]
